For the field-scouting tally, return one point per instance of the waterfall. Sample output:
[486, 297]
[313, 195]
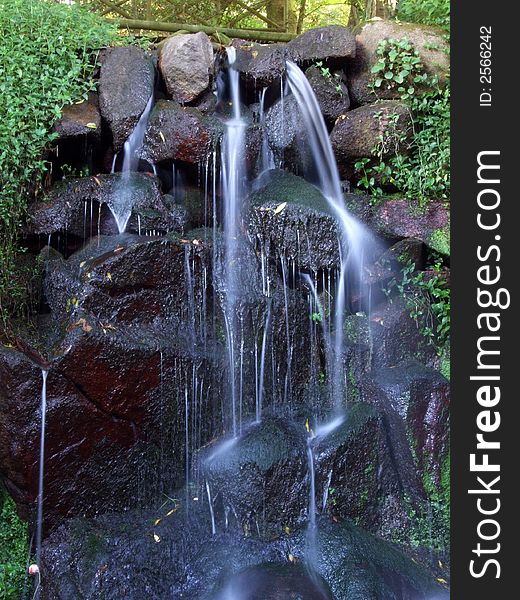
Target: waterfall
[233, 189]
[121, 203]
[355, 240]
[39, 513]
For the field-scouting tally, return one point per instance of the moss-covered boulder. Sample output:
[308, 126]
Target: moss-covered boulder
[333, 45]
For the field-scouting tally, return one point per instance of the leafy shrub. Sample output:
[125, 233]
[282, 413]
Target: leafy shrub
[424, 172]
[13, 551]
[427, 12]
[47, 56]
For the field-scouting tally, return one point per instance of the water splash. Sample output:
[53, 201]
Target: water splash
[122, 201]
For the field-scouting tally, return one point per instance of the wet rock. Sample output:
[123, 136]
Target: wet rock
[369, 131]
[331, 92]
[126, 279]
[332, 44]
[179, 133]
[80, 120]
[65, 208]
[267, 465]
[83, 556]
[259, 65]
[303, 229]
[401, 254]
[125, 85]
[429, 43]
[403, 218]
[365, 472]
[286, 132]
[186, 64]
[274, 581]
[131, 314]
[420, 397]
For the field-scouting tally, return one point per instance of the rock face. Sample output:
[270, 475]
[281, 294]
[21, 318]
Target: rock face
[186, 64]
[65, 208]
[80, 120]
[332, 44]
[268, 467]
[429, 43]
[80, 560]
[179, 133]
[124, 341]
[259, 66]
[125, 85]
[286, 132]
[368, 131]
[331, 92]
[286, 215]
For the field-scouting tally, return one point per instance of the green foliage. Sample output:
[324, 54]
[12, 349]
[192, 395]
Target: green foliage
[428, 298]
[47, 57]
[334, 79]
[398, 67]
[427, 12]
[422, 173]
[13, 551]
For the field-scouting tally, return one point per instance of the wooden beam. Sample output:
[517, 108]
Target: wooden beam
[265, 36]
[115, 8]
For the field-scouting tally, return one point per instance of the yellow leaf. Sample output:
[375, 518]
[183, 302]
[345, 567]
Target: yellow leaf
[162, 137]
[170, 512]
[98, 181]
[109, 276]
[441, 580]
[307, 426]
[91, 125]
[82, 264]
[157, 521]
[279, 208]
[287, 530]
[156, 538]
[440, 564]
[196, 243]
[291, 558]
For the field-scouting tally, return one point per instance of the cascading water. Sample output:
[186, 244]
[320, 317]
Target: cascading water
[39, 510]
[355, 240]
[233, 190]
[121, 203]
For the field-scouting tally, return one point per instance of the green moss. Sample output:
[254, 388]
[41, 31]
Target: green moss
[13, 550]
[445, 363]
[440, 241]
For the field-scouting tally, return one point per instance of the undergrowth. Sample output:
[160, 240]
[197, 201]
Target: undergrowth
[48, 54]
[13, 550]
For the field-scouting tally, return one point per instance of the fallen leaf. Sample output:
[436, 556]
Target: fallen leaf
[279, 208]
[162, 137]
[156, 538]
[441, 580]
[98, 181]
[109, 276]
[307, 426]
[82, 264]
[157, 521]
[291, 558]
[170, 512]
[287, 530]
[91, 125]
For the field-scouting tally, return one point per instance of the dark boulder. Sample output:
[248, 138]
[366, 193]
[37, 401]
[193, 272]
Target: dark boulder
[268, 467]
[331, 92]
[69, 204]
[291, 217]
[259, 65]
[125, 86]
[179, 133]
[399, 255]
[186, 65]
[286, 133]
[375, 130]
[104, 557]
[429, 42]
[332, 44]
[80, 120]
